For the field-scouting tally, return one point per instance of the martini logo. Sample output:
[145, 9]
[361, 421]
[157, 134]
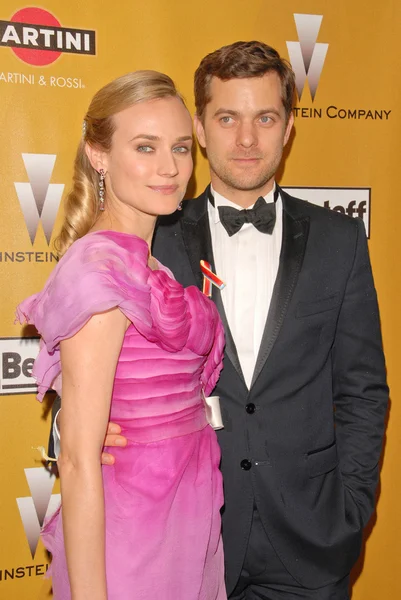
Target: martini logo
[39, 199]
[307, 56]
[40, 505]
[37, 38]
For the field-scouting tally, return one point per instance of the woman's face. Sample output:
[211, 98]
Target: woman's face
[150, 161]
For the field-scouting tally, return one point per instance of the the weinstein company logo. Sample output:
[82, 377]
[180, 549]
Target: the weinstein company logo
[307, 56]
[39, 199]
[40, 505]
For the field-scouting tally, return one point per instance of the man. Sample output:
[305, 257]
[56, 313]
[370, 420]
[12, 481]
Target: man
[303, 390]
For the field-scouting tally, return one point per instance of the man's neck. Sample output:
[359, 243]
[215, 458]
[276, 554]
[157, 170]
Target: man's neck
[243, 198]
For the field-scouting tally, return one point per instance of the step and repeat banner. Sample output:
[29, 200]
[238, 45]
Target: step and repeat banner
[344, 154]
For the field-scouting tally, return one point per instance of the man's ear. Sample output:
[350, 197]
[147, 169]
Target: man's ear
[97, 158]
[288, 128]
[200, 131]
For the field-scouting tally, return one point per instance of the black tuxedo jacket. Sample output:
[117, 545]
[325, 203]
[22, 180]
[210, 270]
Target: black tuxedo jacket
[309, 431]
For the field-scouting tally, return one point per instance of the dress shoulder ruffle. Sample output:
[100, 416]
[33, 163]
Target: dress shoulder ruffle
[104, 270]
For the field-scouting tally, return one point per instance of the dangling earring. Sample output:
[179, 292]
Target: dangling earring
[102, 175]
[179, 207]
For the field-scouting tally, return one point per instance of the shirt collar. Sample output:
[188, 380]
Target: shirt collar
[220, 200]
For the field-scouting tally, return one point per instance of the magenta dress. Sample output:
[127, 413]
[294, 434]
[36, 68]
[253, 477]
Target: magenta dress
[164, 493]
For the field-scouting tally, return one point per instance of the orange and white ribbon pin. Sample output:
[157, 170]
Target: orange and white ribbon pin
[210, 278]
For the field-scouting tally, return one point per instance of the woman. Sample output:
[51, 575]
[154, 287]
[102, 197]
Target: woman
[132, 345]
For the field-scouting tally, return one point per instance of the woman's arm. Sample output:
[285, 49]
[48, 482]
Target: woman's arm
[88, 363]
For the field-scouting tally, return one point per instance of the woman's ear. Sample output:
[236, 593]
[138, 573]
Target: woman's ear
[96, 157]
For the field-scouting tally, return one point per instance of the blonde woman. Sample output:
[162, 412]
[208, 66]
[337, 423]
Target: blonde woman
[123, 340]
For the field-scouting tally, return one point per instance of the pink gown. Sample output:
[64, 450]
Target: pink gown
[164, 494]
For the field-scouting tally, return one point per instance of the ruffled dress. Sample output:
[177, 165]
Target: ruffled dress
[164, 493]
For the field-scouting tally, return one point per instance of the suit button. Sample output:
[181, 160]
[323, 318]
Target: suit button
[245, 464]
[250, 408]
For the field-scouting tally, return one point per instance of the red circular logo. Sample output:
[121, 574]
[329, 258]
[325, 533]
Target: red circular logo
[36, 16]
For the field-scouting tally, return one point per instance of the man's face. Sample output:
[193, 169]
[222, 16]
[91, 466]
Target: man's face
[244, 130]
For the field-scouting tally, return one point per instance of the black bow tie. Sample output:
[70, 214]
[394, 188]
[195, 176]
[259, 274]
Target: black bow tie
[262, 216]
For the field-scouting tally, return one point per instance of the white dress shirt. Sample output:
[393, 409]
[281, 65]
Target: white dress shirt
[247, 262]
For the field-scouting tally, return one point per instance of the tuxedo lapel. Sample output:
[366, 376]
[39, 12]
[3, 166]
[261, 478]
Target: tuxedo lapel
[295, 235]
[198, 244]
[231, 350]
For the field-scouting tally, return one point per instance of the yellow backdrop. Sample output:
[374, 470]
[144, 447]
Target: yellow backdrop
[344, 154]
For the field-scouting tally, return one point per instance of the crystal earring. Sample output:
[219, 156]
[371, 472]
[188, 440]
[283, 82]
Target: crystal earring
[179, 207]
[102, 175]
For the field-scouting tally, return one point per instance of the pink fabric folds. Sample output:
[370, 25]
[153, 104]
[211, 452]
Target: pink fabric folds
[106, 269]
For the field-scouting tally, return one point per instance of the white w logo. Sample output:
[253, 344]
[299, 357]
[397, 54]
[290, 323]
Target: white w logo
[306, 56]
[41, 505]
[39, 199]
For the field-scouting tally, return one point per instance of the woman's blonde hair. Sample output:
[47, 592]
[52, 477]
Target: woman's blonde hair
[81, 207]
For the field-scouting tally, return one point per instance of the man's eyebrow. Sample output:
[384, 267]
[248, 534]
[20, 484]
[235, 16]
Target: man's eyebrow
[265, 111]
[226, 111]
[235, 113]
[155, 138]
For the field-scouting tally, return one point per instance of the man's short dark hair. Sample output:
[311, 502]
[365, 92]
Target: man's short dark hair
[239, 61]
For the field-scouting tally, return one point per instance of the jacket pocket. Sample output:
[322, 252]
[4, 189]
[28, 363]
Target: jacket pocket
[304, 309]
[322, 461]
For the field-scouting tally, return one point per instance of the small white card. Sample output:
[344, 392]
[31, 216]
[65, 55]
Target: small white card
[213, 412]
